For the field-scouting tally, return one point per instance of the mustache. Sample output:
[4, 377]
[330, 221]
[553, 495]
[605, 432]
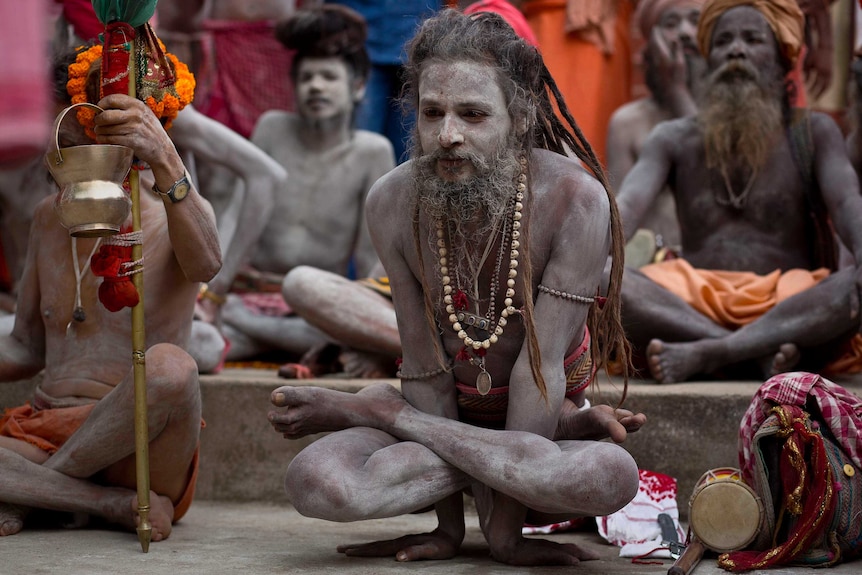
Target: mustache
[442, 154]
[735, 70]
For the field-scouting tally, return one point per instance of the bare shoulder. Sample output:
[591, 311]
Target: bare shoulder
[391, 193]
[633, 115]
[824, 127]
[674, 131]
[373, 143]
[388, 210]
[273, 126]
[561, 180]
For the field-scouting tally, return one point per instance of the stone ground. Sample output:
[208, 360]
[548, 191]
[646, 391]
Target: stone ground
[223, 538]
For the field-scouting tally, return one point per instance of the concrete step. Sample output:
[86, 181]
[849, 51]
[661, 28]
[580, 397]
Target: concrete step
[691, 429]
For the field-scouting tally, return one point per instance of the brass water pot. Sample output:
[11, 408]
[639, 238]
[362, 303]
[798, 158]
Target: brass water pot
[91, 201]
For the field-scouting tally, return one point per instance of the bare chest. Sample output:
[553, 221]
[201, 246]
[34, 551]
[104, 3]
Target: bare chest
[742, 212]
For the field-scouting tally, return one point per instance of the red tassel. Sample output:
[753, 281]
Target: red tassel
[115, 293]
[463, 355]
[459, 300]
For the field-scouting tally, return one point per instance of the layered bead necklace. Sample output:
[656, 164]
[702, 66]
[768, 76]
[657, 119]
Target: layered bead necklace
[456, 300]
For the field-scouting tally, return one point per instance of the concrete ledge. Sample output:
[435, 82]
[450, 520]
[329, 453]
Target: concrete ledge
[691, 428]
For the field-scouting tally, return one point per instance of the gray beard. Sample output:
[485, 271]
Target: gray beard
[471, 209]
[740, 116]
[475, 203]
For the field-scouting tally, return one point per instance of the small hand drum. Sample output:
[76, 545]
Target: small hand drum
[725, 514]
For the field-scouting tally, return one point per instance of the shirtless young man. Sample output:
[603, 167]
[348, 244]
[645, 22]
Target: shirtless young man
[741, 198]
[489, 199]
[318, 217]
[87, 463]
[673, 68]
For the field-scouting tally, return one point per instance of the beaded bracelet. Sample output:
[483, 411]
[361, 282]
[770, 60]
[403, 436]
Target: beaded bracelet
[566, 295]
[424, 374]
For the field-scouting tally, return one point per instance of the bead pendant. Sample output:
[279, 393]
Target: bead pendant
[483, 382]
[78, 314]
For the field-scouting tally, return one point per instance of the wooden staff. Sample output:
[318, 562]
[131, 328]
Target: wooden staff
[139, 342]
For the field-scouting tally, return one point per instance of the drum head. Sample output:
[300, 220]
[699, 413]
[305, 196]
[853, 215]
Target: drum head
[725, 515]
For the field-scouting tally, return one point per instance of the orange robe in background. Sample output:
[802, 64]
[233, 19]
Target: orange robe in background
[593, 66]
[735, 299]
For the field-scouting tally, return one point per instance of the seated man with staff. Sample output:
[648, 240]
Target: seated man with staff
[759, 188]
[494, 241]
[72, 449]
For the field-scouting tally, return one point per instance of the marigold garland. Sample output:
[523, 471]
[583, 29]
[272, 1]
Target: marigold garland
[166, 109]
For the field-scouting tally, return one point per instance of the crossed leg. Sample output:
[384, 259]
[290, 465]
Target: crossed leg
[388, 458]
[94, 471]
[809, 319]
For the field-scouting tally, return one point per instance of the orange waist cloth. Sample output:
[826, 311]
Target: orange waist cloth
[735, 299]
[593, 82]
[48, 429]
[731, 299]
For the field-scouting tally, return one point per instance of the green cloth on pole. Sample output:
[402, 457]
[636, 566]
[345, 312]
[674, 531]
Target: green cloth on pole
[133, 12]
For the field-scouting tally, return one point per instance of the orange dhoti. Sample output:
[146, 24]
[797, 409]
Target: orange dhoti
[49, 423]
[593, 68]
[735, 299]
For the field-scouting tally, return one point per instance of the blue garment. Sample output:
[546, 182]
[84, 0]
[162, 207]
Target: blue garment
[380, 110]
[391, 23]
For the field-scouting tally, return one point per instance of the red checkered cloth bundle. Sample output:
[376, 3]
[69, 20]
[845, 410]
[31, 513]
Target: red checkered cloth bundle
[840, 411]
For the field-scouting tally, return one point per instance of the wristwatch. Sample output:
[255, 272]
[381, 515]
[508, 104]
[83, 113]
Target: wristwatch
[178, 191]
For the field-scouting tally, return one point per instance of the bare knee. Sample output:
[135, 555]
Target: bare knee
[172, 376]
[299, 284]
[320, 488]
[615, 479]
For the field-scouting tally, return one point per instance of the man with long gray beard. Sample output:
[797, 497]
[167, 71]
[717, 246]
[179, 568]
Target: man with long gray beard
[759, 188]
[494, 242]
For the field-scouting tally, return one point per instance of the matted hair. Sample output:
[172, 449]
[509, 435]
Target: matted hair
[327, 31]
[532, 96]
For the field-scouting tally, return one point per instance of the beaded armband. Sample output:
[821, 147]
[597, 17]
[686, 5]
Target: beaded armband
[567, 296]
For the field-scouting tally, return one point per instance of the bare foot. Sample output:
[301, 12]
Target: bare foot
[161, 516]
[11, 518]
[675, 362]
[598, 422]
[316, 410]
[786, 359]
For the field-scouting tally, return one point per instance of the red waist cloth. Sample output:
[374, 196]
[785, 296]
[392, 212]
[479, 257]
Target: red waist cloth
[491, 408]
[48, 428]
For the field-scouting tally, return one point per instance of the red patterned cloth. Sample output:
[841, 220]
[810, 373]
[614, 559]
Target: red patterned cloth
[490, 409]
[635, 528]
[25, 105]
[840, 410]
[245, 72]
[266, 303]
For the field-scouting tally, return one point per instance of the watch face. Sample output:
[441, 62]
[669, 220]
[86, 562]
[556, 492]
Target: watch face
[181, 190]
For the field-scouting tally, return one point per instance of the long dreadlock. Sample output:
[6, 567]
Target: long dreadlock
[531, 95]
